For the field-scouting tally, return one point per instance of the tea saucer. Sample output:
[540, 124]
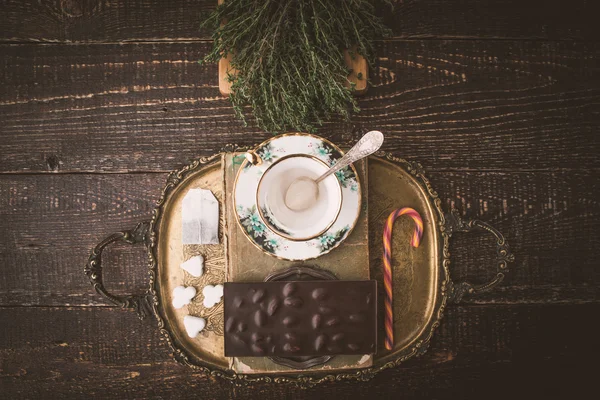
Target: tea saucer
[247, 207]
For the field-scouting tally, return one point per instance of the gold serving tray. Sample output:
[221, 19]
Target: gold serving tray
[421, 280]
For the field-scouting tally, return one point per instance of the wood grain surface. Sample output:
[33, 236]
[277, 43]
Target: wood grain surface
[100, 352]
[499, 100]
[488, 105]
[159, 20]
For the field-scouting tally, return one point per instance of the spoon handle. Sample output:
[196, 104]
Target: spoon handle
[367, 145]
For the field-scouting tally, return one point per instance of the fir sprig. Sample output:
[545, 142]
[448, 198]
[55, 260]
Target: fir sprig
[289, 57]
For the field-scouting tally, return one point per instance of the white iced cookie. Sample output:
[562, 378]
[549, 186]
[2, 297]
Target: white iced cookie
[193, 325]
[195, 266]
[183, 295]
[212, 295]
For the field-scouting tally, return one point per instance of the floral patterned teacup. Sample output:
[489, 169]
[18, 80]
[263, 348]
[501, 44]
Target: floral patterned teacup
[288, 223]
[273, 236]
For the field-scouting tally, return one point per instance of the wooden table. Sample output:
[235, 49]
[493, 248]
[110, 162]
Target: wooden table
[498, 100]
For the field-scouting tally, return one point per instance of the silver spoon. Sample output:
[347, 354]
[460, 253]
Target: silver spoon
[303, 192]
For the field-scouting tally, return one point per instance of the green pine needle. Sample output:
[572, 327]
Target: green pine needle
[289, 57]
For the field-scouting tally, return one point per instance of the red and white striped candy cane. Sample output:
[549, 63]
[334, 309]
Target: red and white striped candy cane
[387, 265]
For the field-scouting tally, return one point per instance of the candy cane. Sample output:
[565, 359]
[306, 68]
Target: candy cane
[387, 265]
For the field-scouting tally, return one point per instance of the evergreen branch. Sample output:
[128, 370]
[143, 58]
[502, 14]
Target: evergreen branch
[289, 55]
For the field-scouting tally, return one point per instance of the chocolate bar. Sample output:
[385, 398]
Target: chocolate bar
[300, 318]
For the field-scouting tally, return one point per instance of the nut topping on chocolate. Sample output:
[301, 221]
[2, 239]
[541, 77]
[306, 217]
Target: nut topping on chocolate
[289, 289]
[316, 321]
[319, 294]
[320, 342]
[260, 318]
[258, 296]
[273, 306]
[295, 302]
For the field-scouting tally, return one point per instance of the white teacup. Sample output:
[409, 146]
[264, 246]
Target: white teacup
[298, 225]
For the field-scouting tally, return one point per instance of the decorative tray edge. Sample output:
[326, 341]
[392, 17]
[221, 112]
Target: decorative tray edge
[148, 303]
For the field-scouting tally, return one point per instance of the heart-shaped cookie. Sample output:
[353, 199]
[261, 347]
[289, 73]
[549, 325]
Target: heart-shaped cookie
[183, 295]
[212, 295]
[193, 325]
[195, 266]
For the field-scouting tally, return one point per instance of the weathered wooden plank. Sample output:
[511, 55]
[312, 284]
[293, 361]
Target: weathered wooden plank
[50, 223]
[93, 21]
[102, 21]
[450, 104]
[477, 352]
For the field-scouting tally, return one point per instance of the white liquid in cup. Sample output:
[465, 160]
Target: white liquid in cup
[304, 224]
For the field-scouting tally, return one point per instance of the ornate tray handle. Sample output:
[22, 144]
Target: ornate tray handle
[93, 269]
[454, 223]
